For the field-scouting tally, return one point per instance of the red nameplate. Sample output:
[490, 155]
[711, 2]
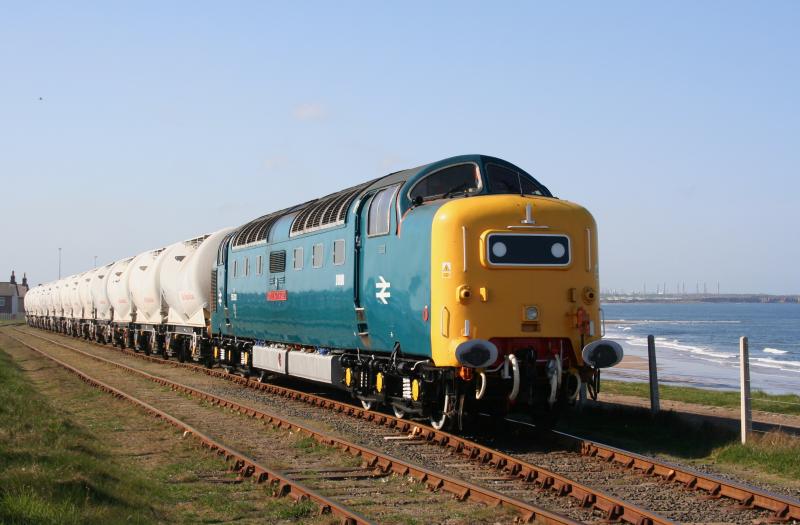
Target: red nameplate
[277, 295]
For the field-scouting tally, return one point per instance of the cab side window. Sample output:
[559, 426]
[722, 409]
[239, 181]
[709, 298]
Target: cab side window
[463, 178]
[379, 212]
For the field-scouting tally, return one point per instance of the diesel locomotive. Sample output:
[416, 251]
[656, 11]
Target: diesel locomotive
[444, 291]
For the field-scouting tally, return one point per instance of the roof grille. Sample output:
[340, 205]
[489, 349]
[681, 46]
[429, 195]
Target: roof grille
[257, 231]
[326, 212]
[222, 251]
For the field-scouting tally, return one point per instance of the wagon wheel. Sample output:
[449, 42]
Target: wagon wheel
[367, 404]
[399, 413]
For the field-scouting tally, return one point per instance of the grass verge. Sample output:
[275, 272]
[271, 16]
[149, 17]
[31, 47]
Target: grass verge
[53, 471]
[776, 453]
[71, 454]
[779, 404]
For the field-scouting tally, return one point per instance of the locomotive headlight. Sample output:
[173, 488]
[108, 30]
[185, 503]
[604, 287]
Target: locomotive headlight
[531, 313]
[558, 250]
[499, 249]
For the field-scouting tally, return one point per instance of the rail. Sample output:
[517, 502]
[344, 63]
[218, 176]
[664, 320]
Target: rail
[244, 465]
[462, 490]
[783, 508]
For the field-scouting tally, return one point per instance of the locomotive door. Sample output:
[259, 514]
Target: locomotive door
[375, 315]
[224, 298]
[222, 286]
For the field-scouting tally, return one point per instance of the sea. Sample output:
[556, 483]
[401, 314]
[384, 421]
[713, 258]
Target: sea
[697, 344]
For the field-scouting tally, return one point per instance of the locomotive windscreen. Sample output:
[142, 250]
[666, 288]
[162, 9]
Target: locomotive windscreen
[528, 250]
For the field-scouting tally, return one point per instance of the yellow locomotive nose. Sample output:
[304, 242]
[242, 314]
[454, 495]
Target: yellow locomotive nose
[510, 272]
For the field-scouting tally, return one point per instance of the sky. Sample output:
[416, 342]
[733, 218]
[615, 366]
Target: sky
[126, 126]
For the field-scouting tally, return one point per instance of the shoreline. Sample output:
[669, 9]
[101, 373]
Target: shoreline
[700, 298]
[694, 372]
[697, 345]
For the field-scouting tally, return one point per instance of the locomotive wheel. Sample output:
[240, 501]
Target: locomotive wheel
[465, 416]
[439, 420]
[443, 418]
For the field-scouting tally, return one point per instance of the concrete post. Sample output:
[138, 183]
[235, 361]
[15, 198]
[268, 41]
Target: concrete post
[655, 404]
[744, 377]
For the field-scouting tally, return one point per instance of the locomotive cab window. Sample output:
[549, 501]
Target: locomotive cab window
[338, 252]
[380, 209]
[317, 255]
[298, 258]
[506, 180]
[453, 180]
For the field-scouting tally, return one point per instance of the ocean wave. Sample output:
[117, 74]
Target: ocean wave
[708, 354]
[675, 321]
[675, 344]
[768, 362]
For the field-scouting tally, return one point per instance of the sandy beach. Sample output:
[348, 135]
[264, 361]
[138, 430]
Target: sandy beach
[633, 362]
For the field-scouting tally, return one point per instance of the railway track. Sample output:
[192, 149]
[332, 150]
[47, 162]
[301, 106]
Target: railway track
[652, 482]
[243, 464]
[347, 482]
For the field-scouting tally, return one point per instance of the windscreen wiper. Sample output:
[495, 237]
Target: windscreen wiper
[460, 188]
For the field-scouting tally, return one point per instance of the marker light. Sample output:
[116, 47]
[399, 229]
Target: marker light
[558, 250]
[531, 313]
[499, 249]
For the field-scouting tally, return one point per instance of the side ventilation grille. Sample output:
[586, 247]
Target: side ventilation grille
[277, 261]
[212, 300]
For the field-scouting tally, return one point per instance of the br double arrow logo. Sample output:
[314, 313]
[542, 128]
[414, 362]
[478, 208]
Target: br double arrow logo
[383, 292]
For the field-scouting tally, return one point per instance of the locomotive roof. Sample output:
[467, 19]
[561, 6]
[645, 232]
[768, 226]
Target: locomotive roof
[330, 210]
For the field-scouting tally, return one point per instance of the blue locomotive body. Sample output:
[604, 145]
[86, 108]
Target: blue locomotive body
[421, 290]
[362, 284]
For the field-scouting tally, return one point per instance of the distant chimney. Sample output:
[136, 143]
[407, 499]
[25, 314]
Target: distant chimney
[13, 278]
[25, 280]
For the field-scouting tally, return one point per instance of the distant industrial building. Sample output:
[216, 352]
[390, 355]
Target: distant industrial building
[12, 296]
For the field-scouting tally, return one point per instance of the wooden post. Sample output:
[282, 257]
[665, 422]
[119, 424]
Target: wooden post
[744, 377]
[655, 404]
